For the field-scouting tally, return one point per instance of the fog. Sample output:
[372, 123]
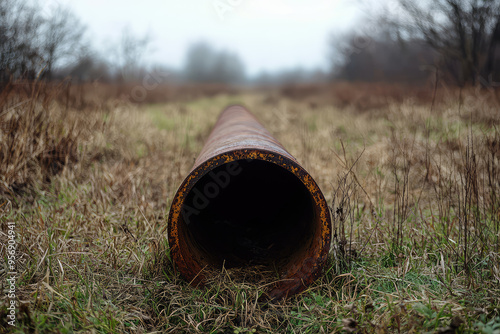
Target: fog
[252, 42]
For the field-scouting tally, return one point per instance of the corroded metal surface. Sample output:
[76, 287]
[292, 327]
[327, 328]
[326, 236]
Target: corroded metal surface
[238, 136]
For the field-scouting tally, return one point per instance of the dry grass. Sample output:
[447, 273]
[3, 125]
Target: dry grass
[414, 189]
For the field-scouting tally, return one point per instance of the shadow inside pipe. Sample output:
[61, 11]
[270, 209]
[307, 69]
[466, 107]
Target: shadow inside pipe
[246, 213]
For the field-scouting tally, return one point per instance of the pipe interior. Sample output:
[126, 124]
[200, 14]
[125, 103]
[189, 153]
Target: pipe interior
[248, 212]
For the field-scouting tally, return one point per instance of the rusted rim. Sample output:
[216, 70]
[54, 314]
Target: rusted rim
[299, 274]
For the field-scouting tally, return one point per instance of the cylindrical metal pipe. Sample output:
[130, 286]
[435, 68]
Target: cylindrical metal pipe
[247, 202]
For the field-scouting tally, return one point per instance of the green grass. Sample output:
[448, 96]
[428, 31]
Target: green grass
[160, 118]
[93, 255]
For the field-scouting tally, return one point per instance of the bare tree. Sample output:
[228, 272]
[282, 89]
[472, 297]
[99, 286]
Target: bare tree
[19, 29]
[228, 68]
[129, 52]
[464, 32]
[61, 38]
[31, 44]
[199, 62]
[204, 64]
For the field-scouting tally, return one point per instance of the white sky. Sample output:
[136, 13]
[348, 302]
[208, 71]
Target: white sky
[267, 34]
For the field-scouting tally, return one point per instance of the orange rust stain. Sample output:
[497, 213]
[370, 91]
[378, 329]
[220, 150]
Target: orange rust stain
[198, 172]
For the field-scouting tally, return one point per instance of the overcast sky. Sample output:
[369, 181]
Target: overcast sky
[267, 34]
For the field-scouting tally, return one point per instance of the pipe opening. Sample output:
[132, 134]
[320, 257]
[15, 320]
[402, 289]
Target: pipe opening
[248, 212]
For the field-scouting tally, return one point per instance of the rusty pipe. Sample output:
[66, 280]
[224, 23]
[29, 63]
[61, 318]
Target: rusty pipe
[245, 202]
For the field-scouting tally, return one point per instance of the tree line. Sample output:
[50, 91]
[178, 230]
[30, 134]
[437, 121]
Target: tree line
[457, 40]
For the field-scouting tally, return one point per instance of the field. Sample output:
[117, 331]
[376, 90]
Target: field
[412, 176]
